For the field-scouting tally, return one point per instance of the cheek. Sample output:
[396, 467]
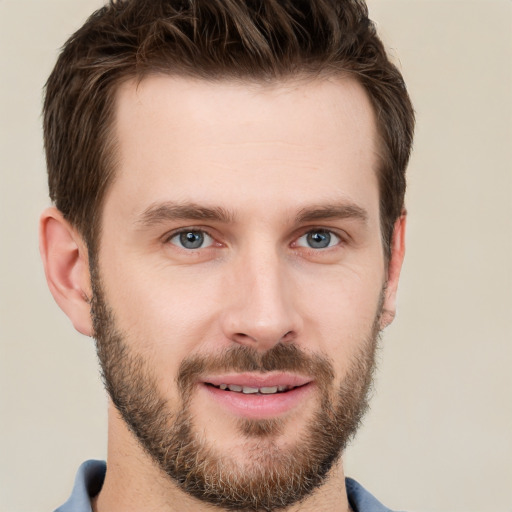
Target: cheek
[166, 312]
[340, 310]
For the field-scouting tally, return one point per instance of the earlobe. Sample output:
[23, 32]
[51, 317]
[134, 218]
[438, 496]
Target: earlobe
[66, 266]
[396, 259]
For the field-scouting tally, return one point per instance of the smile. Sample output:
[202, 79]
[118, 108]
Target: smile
[257, 396]
[248, 390]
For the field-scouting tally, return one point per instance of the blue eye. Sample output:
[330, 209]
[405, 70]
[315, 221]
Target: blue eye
[318, 239]
[192, 239]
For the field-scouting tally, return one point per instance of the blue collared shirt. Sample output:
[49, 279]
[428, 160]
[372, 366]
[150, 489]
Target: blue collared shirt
[91, 474]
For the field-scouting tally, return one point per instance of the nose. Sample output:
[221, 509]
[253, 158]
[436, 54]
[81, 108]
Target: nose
[260, 307]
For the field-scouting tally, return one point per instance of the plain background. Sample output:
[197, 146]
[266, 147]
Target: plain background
[439, 435]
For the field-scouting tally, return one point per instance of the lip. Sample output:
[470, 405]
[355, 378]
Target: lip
[258, 406]
[256, 380]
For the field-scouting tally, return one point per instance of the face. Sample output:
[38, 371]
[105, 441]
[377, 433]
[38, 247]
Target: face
[239, 282]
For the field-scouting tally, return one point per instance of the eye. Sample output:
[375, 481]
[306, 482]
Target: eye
[191, 239]
[318, 239]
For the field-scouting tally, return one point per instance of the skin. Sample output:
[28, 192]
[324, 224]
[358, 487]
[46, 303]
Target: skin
[266, 155]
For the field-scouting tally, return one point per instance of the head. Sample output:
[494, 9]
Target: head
[210, 40]
[229, 180]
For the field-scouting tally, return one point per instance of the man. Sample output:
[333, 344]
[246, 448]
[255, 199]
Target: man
[228, 180]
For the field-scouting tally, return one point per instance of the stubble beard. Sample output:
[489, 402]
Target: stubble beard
[271, 477]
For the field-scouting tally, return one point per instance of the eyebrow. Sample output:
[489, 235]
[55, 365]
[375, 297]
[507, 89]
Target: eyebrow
[170, 211]
[332, 211]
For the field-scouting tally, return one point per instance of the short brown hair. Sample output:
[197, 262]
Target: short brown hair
[264, 40]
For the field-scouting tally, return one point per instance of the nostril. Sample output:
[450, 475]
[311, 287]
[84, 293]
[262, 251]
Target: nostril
[241, 336]
[288, 336]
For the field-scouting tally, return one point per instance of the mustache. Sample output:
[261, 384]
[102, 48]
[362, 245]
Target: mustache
[285, 357]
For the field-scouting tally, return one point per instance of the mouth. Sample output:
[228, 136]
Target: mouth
[257, 396]
[249, 390]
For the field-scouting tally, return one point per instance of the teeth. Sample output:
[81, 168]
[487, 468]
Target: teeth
[268, 391]
[251, 391]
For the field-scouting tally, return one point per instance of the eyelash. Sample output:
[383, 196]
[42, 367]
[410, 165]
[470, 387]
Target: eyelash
[339, 239]
[204, 232]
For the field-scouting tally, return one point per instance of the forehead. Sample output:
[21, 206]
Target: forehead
[236, 142]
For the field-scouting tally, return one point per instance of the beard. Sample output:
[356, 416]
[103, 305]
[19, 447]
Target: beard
[272, 477]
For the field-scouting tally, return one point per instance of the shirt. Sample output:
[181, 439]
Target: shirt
[91, 474]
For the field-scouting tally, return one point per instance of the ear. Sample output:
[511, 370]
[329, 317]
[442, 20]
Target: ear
[396, 259]
[66, 265]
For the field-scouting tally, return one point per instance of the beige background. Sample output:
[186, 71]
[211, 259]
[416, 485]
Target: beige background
[439, 436]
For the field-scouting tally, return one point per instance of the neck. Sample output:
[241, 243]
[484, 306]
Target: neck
[134, 483]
